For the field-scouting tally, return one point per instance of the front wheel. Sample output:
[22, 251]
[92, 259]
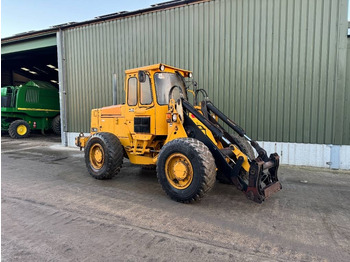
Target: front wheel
[103, 155]
[246, 149]
[186, 169]
[19, 129]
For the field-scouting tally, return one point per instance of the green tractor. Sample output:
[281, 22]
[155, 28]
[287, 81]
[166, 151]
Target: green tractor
[32, 106]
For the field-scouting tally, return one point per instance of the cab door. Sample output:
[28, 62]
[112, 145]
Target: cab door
[144, 120]
[140, 111]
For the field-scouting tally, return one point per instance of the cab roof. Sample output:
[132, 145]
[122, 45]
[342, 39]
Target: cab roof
[155, 67]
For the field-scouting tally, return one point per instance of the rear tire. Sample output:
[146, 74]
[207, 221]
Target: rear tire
[186, 169]
[19, 129]
[103, 155]
[56, 125]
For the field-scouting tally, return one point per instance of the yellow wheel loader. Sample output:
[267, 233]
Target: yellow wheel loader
[158, 127]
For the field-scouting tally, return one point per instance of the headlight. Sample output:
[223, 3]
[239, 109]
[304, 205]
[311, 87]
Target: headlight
[174, 118]
[161, 67]
[190, 75]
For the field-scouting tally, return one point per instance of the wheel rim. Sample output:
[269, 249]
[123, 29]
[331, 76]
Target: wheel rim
[179, 171]
[96, 156]
[22, 130]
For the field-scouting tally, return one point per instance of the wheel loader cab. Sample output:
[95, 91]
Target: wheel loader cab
[147, 97]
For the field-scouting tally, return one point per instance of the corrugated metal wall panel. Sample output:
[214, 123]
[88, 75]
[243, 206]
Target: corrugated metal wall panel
[346, 130]
[272, 65]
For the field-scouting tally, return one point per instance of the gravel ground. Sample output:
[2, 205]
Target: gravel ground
[52, 210]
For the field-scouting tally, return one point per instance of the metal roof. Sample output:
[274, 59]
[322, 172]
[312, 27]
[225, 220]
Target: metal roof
[121, 14]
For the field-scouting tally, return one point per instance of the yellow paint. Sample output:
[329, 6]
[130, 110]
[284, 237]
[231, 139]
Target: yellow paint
[37, 109]
[179, 171]
[203, 128]
[111, 110]
[22, 130]
[81, 141]
[96, 156]
[239, 153]
[156, 67]
[140, 160]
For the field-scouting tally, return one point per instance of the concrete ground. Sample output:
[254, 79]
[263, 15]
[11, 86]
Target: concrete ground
[52, 210]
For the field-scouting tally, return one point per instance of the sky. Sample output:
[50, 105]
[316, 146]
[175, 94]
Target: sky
[18, 16]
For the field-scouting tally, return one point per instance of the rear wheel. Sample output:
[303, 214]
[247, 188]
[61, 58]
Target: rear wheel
[103, 155]
[19, 129]
[56, 125]
[186, 169]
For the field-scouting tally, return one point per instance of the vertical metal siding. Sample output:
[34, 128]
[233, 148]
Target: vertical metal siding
[274, 66]
[346, 130]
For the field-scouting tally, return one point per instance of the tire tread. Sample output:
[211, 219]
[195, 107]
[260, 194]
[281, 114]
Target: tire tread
[114, 150]
[13, 129]
[208, 168]
[246, 148]
[56, 125]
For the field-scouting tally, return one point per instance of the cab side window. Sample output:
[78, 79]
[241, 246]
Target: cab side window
[145, 92]
[132, 91]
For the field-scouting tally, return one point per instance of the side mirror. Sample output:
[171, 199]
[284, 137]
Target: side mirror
[142, 76]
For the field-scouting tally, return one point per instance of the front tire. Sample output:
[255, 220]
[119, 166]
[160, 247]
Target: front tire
[103, 155]
[246, 149]
[244, 145]
[19, 129]
[186, 169]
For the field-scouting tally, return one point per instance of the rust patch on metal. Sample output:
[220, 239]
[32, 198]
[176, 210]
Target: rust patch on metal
[270, 190]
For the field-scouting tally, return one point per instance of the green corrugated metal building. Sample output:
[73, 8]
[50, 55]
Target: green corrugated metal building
[279, 68]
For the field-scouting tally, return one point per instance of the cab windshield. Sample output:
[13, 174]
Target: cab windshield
[164, 82]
